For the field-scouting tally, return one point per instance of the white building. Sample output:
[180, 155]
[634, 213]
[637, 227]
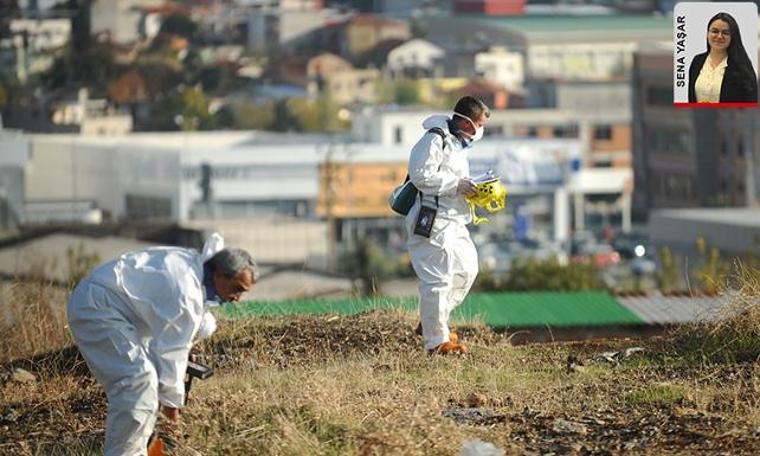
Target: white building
[120, 19]
[15, 154]
[43, 34]
[403, 126]
[94, 117]
[414, 58]
[284, 27]
[32, 45]
[501, 66]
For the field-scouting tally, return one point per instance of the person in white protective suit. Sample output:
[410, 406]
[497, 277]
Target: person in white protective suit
[135, 320]
[442, 253]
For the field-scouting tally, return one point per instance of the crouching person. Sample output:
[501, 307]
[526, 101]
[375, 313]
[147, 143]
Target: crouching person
[135, 319]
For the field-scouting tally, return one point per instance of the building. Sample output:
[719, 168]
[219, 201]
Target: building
[494, 95]
[366, 31]
[42, 34]
[732, 230]
[603, 134]
[345, 84]
[269, 29]
[688, 158]
[490, 7]
[415, 58]
[31, 46]
[604, 110]
[502, 67]
[557, 46]
[15, 154]
[120, 20]
[91, 117]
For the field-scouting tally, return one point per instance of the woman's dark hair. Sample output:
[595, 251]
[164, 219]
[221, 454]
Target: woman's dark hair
[737, 56]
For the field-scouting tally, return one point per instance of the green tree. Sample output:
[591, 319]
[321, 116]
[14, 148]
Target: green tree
[185, 109]
[407, 92]
[224, 117]
[195, 113]
[94, 67]
[320, 115]
[284, 119]
[179, 24]
[549, 275]
[252, 116]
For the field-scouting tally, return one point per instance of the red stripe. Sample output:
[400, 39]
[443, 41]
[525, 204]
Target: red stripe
[715, 105]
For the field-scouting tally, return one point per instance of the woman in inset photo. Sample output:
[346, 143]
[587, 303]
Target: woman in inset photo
[724, 73]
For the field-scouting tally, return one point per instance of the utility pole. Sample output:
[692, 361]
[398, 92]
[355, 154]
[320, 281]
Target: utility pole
[330, 197]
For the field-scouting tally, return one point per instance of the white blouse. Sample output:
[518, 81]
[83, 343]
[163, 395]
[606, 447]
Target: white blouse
[707, 86]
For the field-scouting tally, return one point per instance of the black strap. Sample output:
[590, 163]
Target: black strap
[438, 131]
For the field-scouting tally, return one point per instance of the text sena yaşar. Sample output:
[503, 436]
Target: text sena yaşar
[680, 51]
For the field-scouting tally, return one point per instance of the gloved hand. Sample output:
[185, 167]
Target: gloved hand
[466, 187]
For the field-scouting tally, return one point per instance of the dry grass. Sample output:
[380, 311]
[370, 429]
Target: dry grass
[32, 319]
[362, 385]
[735, 337]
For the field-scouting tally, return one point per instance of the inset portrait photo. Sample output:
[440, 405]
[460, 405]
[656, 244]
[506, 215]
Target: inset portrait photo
[715, 55]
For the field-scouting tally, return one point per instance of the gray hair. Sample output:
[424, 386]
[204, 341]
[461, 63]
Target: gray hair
[231, 262]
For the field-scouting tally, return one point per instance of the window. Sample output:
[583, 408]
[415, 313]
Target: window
[565, 131]
[397, 135]
[603, 132]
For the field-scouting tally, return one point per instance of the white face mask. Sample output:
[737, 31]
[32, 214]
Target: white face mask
[478, 130]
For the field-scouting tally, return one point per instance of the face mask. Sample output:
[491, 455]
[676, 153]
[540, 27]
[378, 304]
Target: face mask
[478, 130]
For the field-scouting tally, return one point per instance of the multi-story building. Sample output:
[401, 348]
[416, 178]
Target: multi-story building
[415, 58]
[119, 19]
[366, 31]
[688, 158]
[501, 66]
[604, 135]
[345, 84]
[32, 45]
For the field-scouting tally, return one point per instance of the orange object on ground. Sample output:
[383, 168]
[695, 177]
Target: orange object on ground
[448, 348]
[156, 447]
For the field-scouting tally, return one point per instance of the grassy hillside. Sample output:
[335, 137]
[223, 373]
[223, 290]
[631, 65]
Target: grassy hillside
[362, 385]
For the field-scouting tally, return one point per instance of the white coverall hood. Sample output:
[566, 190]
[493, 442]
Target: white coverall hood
[134, 320]
[436, 121]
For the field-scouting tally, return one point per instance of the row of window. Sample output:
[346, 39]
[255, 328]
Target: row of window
[601, 132]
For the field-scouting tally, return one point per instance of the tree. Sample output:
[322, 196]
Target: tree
[407, 92]
[179, 24]
[252, 116]
[185, 108]
[320, 115]
[195, 113]
[284, 119]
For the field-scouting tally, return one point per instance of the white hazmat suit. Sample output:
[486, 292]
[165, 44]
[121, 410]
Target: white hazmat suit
[447, 262]
[134, 320]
